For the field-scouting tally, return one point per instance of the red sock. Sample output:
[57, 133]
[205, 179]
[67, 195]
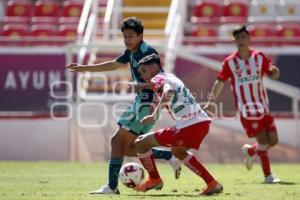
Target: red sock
[253, 149]
[265, 163]
[148, 162]
[193, 164]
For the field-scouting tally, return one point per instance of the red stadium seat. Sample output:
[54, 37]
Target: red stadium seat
[15, 32]
[46, 11]
[235, 11]
[68, 31]
[264, 34]
[18, 11]
[71, 12]
[72, 8]
[43, 30]
[206, 11]
[43, 34]
[204, 31]
[289, 33]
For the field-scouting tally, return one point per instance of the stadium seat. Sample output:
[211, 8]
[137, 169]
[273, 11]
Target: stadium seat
[235, 11]
[14, 32]
[46, 11]
[264, 34]
[204, 31]
[71, 11]
[18, 11]
[206, 11]
[263, 11]
[68, 31]
[43, 34]
[289, 33]
[72, 8]
[203, 35]
[43, 30]
[289, 11]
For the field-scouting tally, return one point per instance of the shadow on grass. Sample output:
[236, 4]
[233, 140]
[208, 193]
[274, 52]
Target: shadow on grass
[168, 195]
[163, 195]
[282, 183]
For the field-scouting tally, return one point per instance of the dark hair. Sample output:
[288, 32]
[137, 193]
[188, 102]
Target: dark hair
[150, 59]
[239, 29]
[134, 24]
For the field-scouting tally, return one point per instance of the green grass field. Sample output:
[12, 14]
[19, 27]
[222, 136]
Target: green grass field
[66, 181]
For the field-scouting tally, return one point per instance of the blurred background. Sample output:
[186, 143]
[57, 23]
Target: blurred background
[48, 113]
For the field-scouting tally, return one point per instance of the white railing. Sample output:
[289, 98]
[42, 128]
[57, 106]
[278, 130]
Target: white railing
[89, 19]
[174, 31]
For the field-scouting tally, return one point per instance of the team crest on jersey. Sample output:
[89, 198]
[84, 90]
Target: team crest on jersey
[254, 125]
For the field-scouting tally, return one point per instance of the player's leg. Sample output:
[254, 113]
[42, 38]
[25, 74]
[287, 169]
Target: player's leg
[271, 130]
[143, 145]
[252, 128]
[119, 142]
[191, 137]
[144, 109]
[262, 152]
[191, 162]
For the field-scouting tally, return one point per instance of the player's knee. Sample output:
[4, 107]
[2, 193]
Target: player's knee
[115, 140]
[273, 141]
[139, 143]
[179, 153]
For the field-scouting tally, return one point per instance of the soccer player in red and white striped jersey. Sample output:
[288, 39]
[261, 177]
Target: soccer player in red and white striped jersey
[245, 69]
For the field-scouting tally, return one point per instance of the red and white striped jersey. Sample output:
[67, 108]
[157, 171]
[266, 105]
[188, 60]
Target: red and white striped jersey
[184, 108]
[246, 82]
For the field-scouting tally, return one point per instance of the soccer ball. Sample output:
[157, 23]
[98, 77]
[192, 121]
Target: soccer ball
[131, 174]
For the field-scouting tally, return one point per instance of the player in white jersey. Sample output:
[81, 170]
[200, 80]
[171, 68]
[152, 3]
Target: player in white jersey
[191, 126]
[245, 69]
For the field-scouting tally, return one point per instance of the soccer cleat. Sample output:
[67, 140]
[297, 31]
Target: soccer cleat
[271, 179]
[105, 190]
[248, 161]
[213, 187]
[176, 166]
[149, 185]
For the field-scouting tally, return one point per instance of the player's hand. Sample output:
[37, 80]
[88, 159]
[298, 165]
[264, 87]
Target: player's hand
[134, 87]
[209, 109]
[75, 67]
[150, 119]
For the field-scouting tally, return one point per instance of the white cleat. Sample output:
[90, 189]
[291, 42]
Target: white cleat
[105, 190]
[271, 179]
[176, 166]
[248, 161]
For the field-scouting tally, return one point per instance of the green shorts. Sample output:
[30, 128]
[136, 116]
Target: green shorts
[130, 119]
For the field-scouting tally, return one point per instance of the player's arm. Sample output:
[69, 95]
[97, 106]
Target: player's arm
[274, 72]
[166, 97]
[214, 94]
[99, 67]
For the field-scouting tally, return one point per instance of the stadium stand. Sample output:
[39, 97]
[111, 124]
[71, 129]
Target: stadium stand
[206, 12]
[18, 11]
[28, 20]
[289, 11]
[234, 11]
[216, 19]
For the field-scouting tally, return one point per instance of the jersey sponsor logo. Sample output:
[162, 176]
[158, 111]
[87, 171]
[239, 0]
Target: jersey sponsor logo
[248, 79]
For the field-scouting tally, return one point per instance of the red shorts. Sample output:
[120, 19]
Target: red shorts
[254, 127]
[190, 136]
